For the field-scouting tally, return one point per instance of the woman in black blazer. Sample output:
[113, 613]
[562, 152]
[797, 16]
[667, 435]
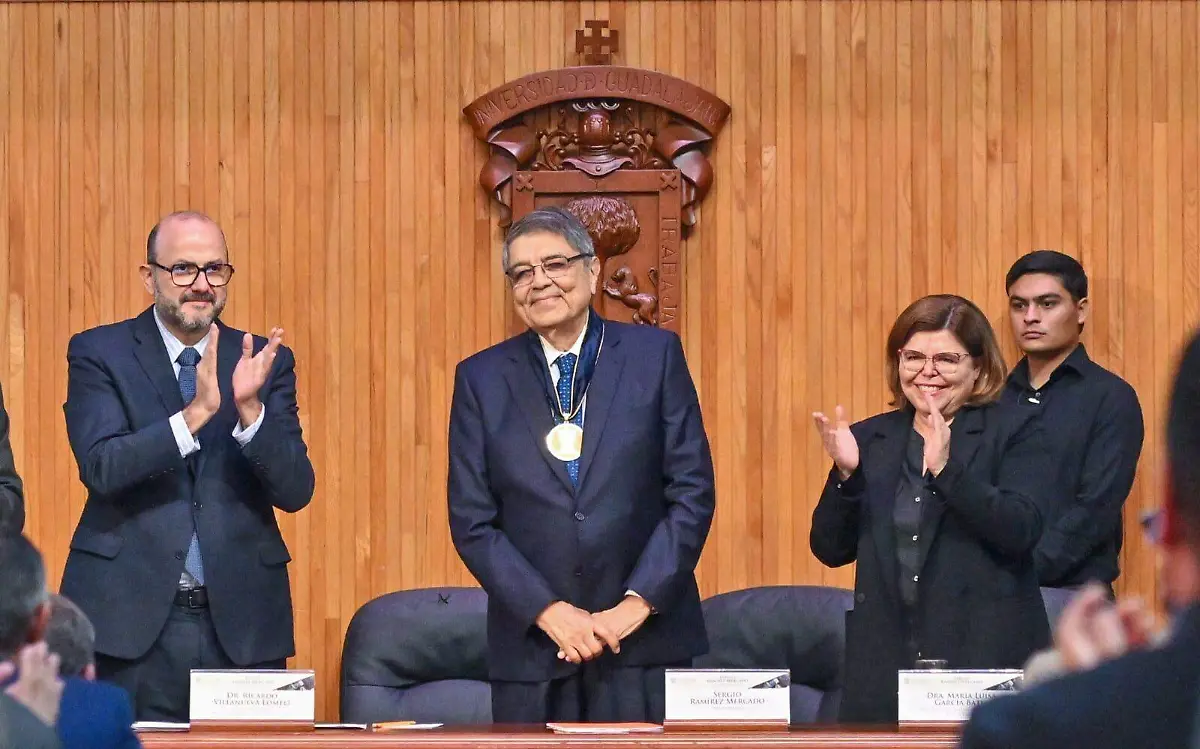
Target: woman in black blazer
[934, 502]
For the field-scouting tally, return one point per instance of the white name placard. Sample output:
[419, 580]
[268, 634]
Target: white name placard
[728, 695]
[948, 695]
[233, 695]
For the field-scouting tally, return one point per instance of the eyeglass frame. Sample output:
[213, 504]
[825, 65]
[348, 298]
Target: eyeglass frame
[1152, 522]
[955, 364]
[206, 268]
[534, 268]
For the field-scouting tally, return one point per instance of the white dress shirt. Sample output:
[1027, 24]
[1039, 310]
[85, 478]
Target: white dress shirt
[552, 355]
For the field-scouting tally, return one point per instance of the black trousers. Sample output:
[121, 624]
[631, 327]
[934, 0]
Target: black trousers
[598, 692]
[159, 683]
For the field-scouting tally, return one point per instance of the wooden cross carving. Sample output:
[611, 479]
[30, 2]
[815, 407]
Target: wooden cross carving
[596, 46]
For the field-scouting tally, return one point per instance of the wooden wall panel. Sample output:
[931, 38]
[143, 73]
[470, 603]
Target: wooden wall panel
[877, 151]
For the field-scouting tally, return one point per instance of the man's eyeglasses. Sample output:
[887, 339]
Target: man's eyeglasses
[554, 267]
[945, 363]
[185, 274]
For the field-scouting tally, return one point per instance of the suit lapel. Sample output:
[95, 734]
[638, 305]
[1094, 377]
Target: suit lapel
[522, 377]
[600, 394]
[152, 355]
[965, 435]
[886, 453]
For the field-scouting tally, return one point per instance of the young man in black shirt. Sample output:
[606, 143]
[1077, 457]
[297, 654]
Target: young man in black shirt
[1090, 418]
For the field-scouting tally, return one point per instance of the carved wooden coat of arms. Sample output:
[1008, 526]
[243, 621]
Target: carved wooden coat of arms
[624, 149]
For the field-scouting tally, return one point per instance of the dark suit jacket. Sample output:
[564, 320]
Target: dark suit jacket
[979, 605]
[1144, 699]
[21, 729]
[12, 495]
[638, 520]
[127, 553]
[95, 715]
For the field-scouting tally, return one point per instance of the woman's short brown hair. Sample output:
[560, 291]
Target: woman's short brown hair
[968, 324]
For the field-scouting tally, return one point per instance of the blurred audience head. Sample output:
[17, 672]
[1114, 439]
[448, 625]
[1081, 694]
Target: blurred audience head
[24, 604]
[71, 635]
[1179, 533]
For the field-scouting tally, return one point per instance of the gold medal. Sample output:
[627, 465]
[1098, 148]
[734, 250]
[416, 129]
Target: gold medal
[565, 442]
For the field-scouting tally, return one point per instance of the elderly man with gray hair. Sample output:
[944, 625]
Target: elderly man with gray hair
[580, 493]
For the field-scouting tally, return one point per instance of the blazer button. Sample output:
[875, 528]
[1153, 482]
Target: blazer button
[860, 597]
[580, 516]
[179, 555]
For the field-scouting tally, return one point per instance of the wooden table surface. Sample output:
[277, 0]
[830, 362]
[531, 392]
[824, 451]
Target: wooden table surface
[807, 737]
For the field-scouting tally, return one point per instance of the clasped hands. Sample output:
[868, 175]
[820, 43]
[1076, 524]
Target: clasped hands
[842, 447]
[249, 376]
[1092, 630]
[581, 636]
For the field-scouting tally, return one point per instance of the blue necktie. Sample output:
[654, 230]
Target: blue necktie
[188, 359]
[566, 367]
